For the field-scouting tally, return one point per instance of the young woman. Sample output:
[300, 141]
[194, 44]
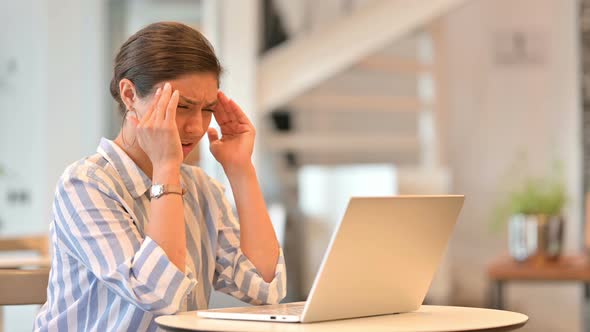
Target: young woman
[135, 232]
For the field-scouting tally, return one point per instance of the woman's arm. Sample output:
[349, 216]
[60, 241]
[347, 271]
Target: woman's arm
[158, 136]
[235, 274]
[234, 151]
[166, 226]
[94, 228]
[257, 236]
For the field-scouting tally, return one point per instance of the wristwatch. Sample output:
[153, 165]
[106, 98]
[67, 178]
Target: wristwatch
[159, 190]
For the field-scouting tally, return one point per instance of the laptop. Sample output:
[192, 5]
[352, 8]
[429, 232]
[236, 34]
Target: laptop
[381, 260]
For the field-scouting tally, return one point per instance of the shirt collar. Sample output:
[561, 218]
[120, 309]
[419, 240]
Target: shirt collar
[136, 181]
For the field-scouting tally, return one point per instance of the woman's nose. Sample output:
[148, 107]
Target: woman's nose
[194, 124]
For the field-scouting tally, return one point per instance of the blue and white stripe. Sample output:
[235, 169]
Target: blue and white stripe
[106, 275]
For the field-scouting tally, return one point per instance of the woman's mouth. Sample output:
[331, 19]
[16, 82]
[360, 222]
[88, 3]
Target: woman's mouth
[187, 148]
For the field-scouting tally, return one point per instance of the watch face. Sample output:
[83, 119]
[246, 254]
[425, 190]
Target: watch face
[157, 190]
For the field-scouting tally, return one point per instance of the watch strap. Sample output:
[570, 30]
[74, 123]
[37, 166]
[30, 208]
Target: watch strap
[167, 189]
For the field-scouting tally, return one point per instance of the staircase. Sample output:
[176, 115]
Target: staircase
[364, 88]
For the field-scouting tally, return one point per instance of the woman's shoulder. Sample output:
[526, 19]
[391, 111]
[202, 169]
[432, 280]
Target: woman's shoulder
[92, 170]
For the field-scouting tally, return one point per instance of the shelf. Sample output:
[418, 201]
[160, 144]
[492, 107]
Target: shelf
[394, 65]
[341, 143]
[360, 103]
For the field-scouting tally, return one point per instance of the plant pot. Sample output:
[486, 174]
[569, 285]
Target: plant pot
[535, 237]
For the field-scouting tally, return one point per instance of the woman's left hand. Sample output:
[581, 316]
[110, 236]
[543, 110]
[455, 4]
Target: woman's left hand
[234, 149]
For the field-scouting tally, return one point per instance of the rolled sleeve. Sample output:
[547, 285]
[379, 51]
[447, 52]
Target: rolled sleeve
[96, 230]
[234, 273]
[155, 276]
[240, 278]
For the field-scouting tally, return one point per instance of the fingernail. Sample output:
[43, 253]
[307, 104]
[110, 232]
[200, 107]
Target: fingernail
[167, 86]
[158, 91]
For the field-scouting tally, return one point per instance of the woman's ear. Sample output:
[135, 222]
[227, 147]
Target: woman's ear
[127, 93]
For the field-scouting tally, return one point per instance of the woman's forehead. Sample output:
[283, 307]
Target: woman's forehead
[204, 102]
[196, 88]
[202, 80]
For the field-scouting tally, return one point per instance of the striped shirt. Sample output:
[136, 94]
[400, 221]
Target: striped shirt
[107, 275]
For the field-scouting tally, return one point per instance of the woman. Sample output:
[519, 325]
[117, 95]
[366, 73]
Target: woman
[135, 232]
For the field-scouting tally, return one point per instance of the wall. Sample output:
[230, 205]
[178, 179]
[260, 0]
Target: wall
[51, 108]
[498, 110]
[77, 83]
[56, 93]
[23, 105]
[23, 111]
[495, 111]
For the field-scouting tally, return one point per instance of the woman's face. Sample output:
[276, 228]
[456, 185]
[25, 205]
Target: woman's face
[198, 97]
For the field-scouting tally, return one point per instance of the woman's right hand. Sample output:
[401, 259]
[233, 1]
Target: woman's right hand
[157, 133]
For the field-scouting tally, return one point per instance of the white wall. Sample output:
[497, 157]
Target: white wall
[23, 104]
[496, 111]
[77, 84]
[23, 111]
[51, 109]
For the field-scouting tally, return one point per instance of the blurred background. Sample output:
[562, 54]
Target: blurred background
[349, 97]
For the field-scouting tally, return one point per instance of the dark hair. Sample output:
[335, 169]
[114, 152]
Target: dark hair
[159, 52]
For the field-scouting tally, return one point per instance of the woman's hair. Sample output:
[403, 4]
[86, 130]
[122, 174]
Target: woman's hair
[159, 52]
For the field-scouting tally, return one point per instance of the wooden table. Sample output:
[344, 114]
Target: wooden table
[426, 319]
[23, 262]
[568, 268]
[26, 268]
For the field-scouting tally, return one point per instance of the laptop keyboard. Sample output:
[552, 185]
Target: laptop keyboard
[293, 309]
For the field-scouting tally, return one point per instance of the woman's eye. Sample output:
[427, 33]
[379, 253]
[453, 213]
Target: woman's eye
[209, 110]
[183, 107]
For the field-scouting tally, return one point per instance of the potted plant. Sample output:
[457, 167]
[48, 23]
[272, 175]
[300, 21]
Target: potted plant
[534, 214]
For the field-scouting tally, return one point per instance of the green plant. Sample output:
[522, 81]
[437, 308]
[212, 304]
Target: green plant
[536, 195]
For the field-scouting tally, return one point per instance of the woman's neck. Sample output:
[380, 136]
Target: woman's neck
[127, 141]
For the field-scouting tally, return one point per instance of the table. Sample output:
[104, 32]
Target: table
[21, 262]
[568, 268]
[426, 319]
[35, 266]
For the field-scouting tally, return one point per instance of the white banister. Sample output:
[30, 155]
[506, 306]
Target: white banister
[290, 69]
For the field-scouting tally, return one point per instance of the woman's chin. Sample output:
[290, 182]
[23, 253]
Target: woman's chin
[187, 149]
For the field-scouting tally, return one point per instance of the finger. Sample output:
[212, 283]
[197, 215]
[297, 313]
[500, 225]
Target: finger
[243, 128]
[150, 112]
[226, 107]
[212, 135]
[238, 113]
[163, 102]
[172, 106]
[216, 115]
[231, 121]
[222, 116]
[219, 113]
